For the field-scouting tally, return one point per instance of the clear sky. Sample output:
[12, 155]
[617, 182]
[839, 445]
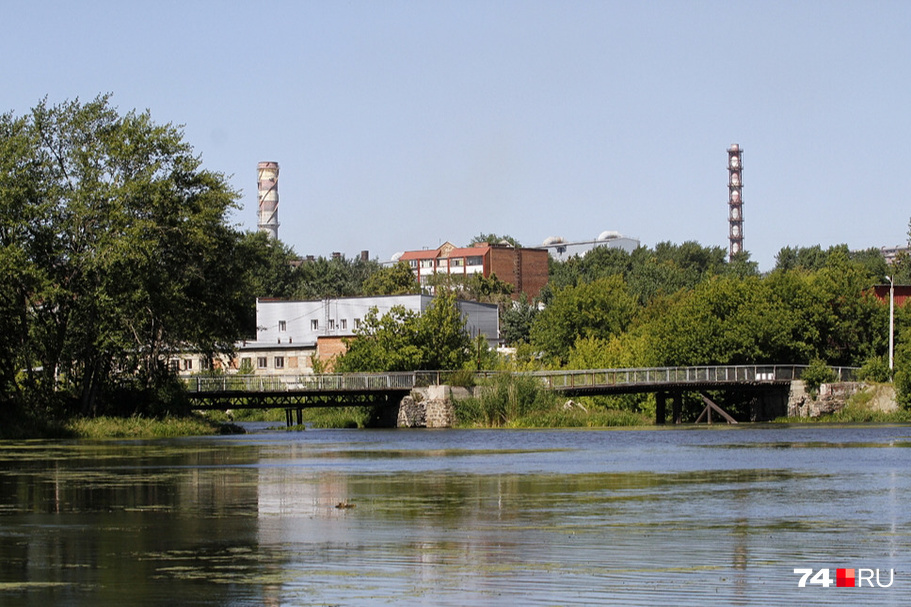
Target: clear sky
[401, 125]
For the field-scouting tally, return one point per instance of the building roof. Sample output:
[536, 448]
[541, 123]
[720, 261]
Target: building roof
[426, 254]
[478, 249]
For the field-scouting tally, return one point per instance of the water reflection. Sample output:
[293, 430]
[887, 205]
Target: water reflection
[455, 518]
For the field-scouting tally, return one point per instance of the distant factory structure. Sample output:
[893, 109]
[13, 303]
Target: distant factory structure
[562, 249]
[267, 186]
[735, 200]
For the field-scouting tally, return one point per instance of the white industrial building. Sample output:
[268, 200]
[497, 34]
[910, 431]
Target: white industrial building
[290, 335]
[561, 249]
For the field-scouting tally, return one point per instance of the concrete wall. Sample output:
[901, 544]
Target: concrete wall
[429, 407]
[831, 398]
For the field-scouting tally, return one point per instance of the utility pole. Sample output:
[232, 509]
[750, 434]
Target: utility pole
[891, 321]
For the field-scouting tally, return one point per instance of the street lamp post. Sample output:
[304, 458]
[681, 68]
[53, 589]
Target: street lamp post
[891, 320]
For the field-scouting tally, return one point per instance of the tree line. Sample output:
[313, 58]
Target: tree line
[117, 250]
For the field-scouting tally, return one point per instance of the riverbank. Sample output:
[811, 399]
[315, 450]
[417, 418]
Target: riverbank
[871, 403]
[143, 427]
[118, 427]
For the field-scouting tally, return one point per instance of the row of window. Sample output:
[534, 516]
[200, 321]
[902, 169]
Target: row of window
[262, 362]
[448, 262]
[341, 324]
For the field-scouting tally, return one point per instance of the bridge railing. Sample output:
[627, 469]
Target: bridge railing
[326, 382]
[556, 380]
[679, 375]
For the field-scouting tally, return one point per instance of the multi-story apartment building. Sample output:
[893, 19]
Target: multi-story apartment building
[525, 269]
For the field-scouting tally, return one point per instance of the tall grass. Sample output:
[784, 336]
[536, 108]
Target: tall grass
[503, 399]
[520, 401]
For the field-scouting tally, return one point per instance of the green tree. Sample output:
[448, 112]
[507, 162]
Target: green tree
[724, 320]
[402, 340]
[270, 266]
[516, 321]
[117, 249]
[337, 277]
[383, 343]
[442, 337]
[601, 309]
[397, 279]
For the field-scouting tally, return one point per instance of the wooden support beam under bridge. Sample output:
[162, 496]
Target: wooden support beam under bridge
[709, 407]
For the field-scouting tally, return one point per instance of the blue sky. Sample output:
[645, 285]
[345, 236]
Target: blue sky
[401, 125]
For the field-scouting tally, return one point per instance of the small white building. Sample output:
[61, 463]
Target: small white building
[290, 335]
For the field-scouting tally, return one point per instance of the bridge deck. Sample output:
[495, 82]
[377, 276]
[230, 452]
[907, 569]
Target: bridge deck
[328, 390]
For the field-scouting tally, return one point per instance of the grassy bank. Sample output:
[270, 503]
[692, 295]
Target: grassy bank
[853, 415]
[318, 417]
[142, 427]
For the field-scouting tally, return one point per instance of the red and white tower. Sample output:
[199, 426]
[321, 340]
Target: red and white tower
[735, 199]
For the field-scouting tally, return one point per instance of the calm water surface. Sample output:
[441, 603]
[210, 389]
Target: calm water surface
[683, 516]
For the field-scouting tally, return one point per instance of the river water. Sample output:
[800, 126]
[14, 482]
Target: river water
[683, 516]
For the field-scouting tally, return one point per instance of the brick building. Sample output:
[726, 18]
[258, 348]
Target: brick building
[525, 269]
[902, 294]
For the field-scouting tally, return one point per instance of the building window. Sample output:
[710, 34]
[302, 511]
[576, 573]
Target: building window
[282, 325]
[314, 325]
[187, 365]
[357, 323]
[262, 362]
[279, 362]
[426, 263]
[175, 365]
[332, 324]
[458, 262]
[246, 364]
[343, 324]
[413, 263]
[475, 261]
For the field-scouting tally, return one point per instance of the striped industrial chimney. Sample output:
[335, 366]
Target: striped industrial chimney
[735, 200]
[267, 182]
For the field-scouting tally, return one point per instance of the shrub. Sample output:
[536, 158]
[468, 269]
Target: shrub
[875, 369]
[817, 374]
[504, 399]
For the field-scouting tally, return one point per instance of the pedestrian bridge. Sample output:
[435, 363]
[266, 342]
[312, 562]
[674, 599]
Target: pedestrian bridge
[335, 389]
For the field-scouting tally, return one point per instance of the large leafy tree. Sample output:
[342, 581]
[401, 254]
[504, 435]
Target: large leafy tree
[336, 277]
[397, 279]
[600, 309]
[115, 251]
[791, 316]
[402, 340]
[270, 265]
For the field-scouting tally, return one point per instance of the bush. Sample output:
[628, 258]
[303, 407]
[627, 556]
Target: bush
[875, 369]
[817, 374]
[504, 399]
[903, 388]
